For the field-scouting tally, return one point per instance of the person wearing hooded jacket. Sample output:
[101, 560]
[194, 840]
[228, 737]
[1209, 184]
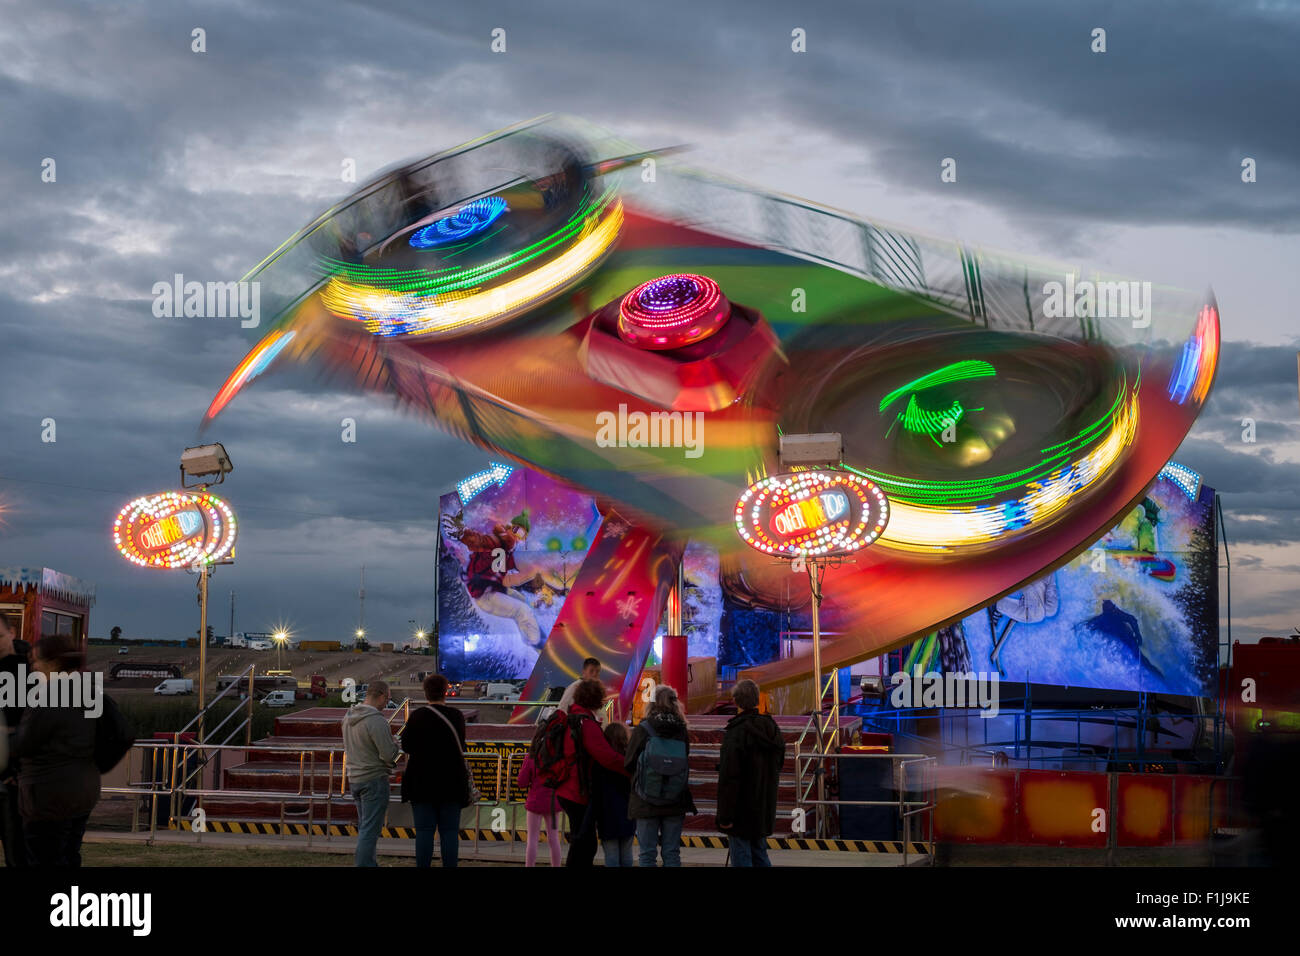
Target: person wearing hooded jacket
[371, 753]
[749, 772]
[659, 827]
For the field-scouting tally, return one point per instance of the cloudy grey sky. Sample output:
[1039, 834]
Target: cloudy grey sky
[202, 163]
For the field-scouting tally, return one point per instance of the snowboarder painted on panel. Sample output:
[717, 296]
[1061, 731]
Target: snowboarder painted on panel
[491, 577]
[1118, 627]
[1035, 602]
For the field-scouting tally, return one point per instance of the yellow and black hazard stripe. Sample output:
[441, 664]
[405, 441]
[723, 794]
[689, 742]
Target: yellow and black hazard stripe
[519, 836]
[847, 846]
[794, 843]
[252, 828]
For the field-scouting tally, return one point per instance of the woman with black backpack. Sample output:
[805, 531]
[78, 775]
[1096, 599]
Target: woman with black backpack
[658, 758]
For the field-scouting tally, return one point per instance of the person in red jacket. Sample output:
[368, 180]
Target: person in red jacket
[584, 745]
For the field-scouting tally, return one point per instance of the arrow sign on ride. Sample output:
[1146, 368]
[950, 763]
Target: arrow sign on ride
[495, 474]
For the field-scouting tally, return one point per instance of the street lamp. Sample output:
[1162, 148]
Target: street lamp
[279, 637]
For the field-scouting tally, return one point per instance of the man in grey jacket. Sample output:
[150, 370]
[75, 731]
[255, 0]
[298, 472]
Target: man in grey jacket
[371, 754]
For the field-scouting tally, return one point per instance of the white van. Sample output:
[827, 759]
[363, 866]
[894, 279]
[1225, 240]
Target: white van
[175, 685]
[501, 691]
[279, 698]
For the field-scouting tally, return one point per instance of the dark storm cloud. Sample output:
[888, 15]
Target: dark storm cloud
[1261, 495]
[1255, 391]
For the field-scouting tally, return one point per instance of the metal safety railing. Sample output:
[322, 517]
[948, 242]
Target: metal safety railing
[403, 710]
[166, 769]
[826, 738]
[906, 803]
[246, 726]
[1131, 735]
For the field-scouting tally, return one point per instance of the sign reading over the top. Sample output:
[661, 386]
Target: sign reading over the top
[811, 514]
[175, 529]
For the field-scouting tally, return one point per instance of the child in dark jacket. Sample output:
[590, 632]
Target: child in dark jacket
[608, 808]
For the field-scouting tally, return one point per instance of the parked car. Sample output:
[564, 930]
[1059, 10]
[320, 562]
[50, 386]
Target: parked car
[279, 698]
[123, 650]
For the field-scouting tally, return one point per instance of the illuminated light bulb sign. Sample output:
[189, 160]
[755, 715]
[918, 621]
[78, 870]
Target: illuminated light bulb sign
[495, 474]
[672, 311]
[811, 514]
[175, 529]
[1182, 476]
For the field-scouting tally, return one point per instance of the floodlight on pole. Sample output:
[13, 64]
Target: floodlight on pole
[205, 461]
[202, 462]
[822, 448]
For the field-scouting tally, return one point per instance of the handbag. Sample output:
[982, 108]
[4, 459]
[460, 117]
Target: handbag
[472, 790]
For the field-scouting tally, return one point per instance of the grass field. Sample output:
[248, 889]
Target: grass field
[149, 713]
[396, 668]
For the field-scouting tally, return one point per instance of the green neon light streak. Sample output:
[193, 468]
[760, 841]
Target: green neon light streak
[976, 490]
[922, 421]
[956, 372]
[441, 281]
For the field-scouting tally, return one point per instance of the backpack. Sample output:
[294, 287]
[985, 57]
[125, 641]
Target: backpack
[662, 769]
[553, 764]
[113, 737]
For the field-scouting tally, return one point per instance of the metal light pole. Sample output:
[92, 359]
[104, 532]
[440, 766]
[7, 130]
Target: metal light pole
[197, 462]
[831, 512]
[361, 625]
[816, 635]
[817, 691]
[204, 570]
